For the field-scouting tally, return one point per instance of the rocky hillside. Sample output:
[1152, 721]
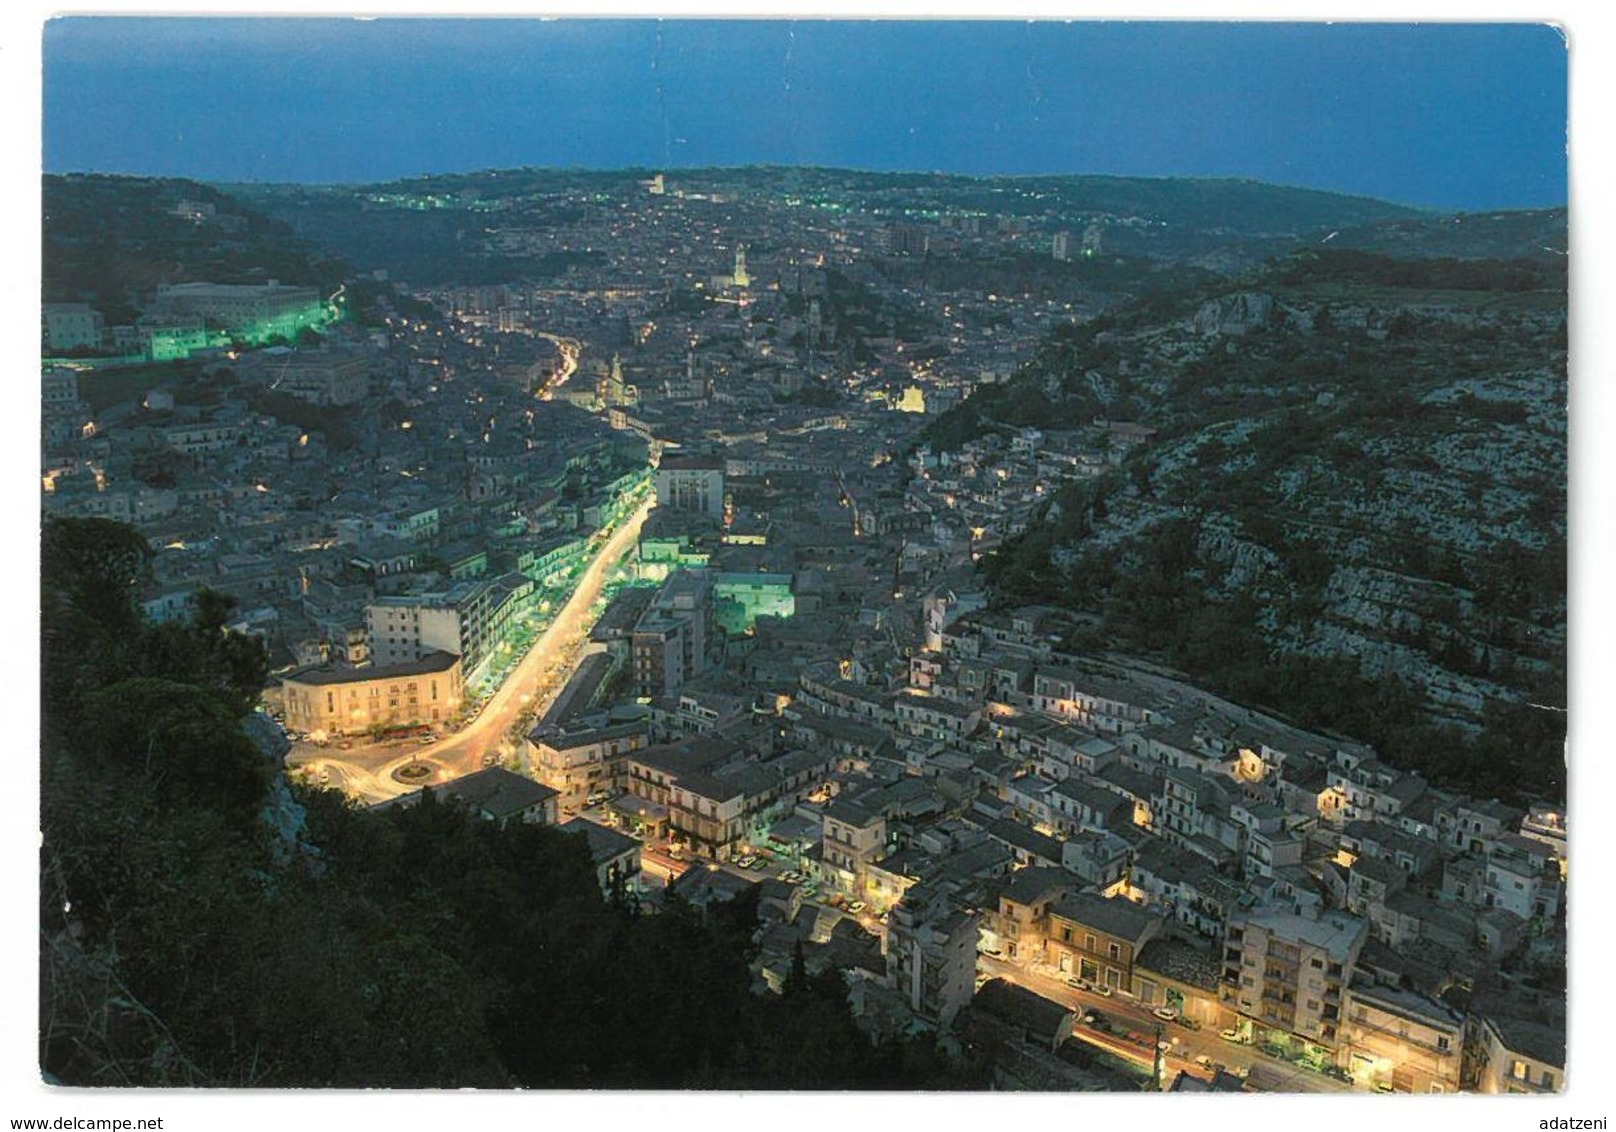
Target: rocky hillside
[1354, 510]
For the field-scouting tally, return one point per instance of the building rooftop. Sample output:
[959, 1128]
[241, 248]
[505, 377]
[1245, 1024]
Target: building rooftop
[429, 664]
[497, 792]
[604, 844]
[1121, 918]
[1332, 932]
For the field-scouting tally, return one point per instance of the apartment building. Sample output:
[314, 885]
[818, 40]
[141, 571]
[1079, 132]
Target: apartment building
[1288, 973]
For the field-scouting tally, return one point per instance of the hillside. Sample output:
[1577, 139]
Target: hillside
[1466, 235]
[111, 241]
[1354, 510]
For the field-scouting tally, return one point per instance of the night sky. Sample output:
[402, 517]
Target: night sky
[1462, 116]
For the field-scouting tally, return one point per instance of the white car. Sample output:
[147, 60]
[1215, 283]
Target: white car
[1165, 1013]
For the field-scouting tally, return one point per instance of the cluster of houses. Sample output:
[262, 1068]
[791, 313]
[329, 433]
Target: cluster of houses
[1099, 822]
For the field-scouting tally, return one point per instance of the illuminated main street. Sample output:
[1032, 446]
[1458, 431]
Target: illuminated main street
[1126, 1015]
[367, 773]
[569, 349]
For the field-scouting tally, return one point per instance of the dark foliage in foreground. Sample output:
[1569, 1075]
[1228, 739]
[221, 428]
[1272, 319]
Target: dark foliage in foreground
[185, 941]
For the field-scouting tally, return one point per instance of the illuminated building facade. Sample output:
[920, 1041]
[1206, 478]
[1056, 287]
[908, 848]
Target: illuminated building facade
[742, 598]
[584, 763]
[344, 701]
[239, 306]
[1098, 939]
[691, 483]
[1400, 1040]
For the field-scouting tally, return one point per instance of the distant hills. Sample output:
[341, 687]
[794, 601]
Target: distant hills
[110, 238]
[1221, 224]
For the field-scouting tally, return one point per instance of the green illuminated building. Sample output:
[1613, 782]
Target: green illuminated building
[740, 599]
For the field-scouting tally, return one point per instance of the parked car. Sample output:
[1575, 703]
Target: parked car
[1338, 1073]
[1103, 992]
[856, 907]
[1097, 1020]
[1205, 1062]
[1187, 1022]
[1165, 1013]
[1236, 1037]
[1076, 983]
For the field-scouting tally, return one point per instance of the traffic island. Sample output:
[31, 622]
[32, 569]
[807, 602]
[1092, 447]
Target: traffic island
[414, 773]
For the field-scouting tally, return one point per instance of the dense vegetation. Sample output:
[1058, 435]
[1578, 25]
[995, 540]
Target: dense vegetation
[111, 241]
[188, 941]
[431, 232]
[1156, 595]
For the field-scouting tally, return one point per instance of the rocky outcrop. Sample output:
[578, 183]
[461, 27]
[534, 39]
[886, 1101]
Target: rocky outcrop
[1236, 314]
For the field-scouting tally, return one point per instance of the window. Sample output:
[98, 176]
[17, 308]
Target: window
[1517, 1070]
[1088, 943]
[1548, 1079]
[1066, 935]
[1442, 1043]
[1114, 951]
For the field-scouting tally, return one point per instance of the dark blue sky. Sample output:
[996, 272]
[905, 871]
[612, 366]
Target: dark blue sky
[1447, 115]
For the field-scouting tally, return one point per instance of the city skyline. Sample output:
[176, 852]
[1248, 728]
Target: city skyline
[1441, 116]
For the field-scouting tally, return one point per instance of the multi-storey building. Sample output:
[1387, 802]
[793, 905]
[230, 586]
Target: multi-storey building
[467, 619]
[671, 637]
[1509, 1055]
[70, 326]
[690, 482]
[240, 306]
[1400, 1040]
[854, 838]
[322, 377]
[931, 954]
[343, 701]
[1288, 973]
[584, 763]
[1098, 939]
[1095, 701]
